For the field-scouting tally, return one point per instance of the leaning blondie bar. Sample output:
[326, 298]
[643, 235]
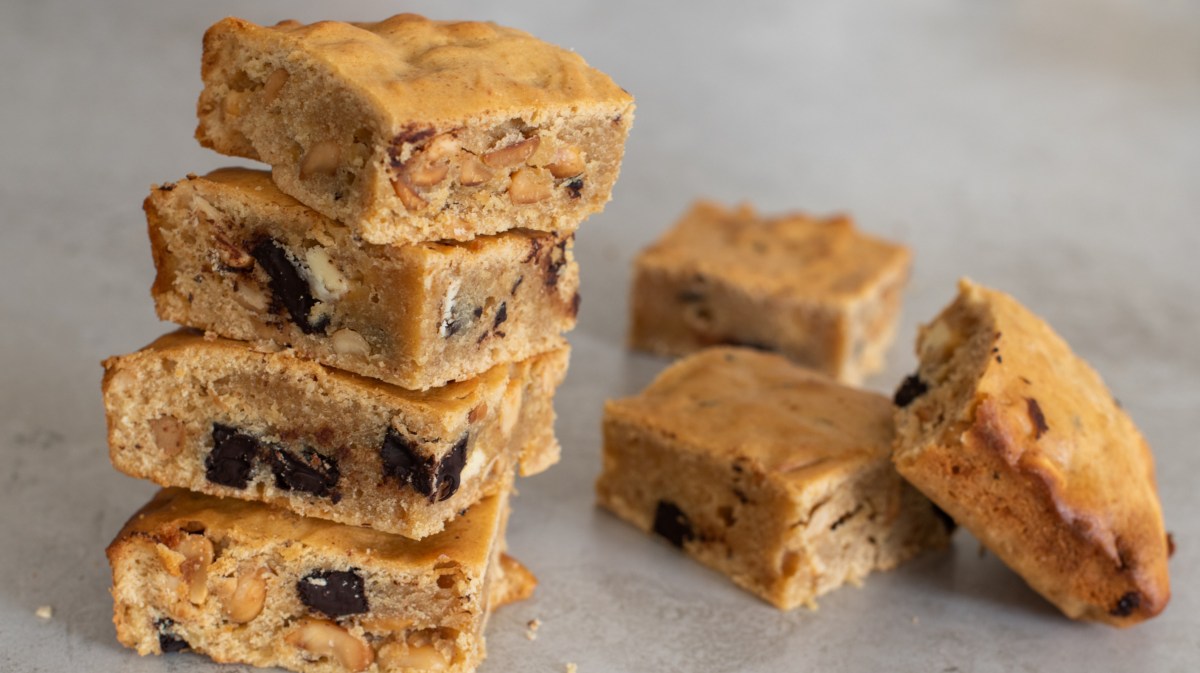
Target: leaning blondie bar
[248, 583]
[219, 417]
[238, 257]
[1019, 439]
[817, 290]
[770, 473]
[411, 130]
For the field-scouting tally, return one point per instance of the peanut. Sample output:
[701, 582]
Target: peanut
[197, 552]
[431, 166]
[323, 638]
[242, 599]
[513, 155]
[407, 193]
[473, 172]
[395, 656]
[568, 162]
[530, 185]
[349, 342]
[168, 434]
[322, 157]
[274, 83]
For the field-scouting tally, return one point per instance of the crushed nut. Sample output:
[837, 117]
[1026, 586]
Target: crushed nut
[321, 158]
[242, 598]
[530, 185]
[407, 193]
[531, 628]
[44, 612]
[252, 297]
[472, 172]
[349, 342]
[323, 638]
[274, 83]
[197, 552]
[392, 624]
[431, 166]
[168, 434]
[568, 162]
[513, 155]
[324, 278]
[393, 656]
[231, 256]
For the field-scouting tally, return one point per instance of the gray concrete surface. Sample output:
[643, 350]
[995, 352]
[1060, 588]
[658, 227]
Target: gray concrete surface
[1051, 149]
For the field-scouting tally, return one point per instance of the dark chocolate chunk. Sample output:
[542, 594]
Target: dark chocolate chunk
[948, 521]
[671, 523]
[232, 457]
[1170, 545]
[310, 472]
[449, 472]
[575, 187]
[1038, 418]
[575, 300]
[1126, 604]
[288, 287]
[402, 461]
[335, 593]
[168, 641]
[501, 315]
[513, 291]
[912, 388]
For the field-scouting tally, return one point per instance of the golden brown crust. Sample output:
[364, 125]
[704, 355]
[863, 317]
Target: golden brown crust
[1021, 442]
[814, 289]
[410, 129]
[401, 461]
[244, 582]
[416, 316]
[419, 70]
[770, 473]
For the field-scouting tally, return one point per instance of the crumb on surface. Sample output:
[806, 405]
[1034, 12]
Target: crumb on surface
[572, 668]
[532, 627]
[44, 612]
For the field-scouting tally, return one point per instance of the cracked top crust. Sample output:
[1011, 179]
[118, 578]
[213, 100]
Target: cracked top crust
[1008, 399]
[468, 540]
[795, 256]
[413, 69]
[788, 421]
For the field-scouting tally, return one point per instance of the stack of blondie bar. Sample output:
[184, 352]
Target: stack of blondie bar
[372, 341]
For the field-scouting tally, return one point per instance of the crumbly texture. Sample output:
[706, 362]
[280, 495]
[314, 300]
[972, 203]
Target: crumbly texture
[816, 290]
[248, 583]
[240, 258]
[518, 585]
[219, 417]
[1019, 440]
[410, 130]
[768, 472]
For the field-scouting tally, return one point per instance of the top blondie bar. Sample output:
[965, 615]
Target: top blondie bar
[410, 129]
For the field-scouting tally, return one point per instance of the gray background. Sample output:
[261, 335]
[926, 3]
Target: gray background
[1047, 148]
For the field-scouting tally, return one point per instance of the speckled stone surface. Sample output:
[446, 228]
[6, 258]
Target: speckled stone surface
[1048, 149]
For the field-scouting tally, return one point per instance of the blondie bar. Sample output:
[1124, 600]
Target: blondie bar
[1019, 440]
[238, 257]
[219, 417]
[245, 582]
[815, 290]
[411, 130]
[768, 472]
